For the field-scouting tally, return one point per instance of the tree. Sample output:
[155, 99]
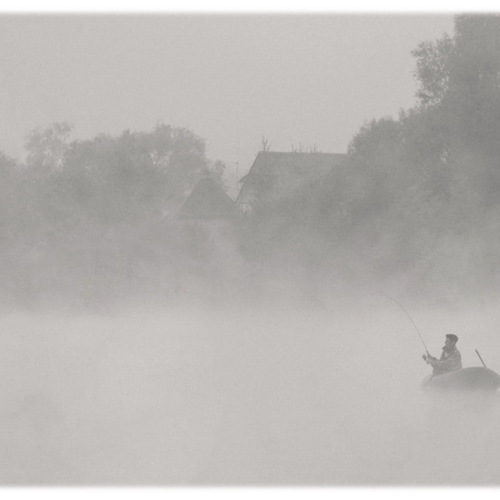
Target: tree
[10, 205]
[428, 179]
[264, 144]
[46, 147]
[432, 71]
[459, 77]
[87, 217]
[134, 176]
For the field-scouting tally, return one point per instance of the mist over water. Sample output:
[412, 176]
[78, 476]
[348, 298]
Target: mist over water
[154, 331]
[242, 395]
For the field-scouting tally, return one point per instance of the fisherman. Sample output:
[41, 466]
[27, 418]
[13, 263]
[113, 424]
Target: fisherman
[450, 359]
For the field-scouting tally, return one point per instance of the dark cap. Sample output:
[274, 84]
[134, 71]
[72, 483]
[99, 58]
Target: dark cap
[452, 337]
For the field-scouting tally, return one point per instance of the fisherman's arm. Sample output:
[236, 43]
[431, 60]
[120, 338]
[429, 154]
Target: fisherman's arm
[430, 360]
[452, 362]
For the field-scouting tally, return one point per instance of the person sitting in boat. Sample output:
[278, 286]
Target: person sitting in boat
[450, 359]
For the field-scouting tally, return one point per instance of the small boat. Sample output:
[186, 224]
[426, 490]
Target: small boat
[474, 378]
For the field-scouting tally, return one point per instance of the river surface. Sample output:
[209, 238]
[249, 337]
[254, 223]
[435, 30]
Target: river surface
[242, 396]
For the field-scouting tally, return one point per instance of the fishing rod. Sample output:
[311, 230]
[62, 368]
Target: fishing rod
[413, 322]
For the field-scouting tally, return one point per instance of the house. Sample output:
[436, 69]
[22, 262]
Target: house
[208, 202]
[275, 176]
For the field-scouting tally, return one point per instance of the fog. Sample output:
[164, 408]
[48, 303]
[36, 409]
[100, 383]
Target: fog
[243, 395]
[157, 329]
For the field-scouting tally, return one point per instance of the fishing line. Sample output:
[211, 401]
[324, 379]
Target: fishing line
[413, 322]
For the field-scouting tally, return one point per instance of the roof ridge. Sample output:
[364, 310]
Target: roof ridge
[301, 153]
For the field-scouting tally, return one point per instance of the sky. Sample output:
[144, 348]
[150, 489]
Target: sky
[300, 80]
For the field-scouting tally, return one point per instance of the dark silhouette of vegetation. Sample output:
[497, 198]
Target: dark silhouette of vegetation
[87, 221]
[415, 205]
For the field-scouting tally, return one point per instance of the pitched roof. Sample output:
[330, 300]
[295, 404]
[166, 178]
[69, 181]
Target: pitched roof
[312, 163]
[208, 201]
[276, 174]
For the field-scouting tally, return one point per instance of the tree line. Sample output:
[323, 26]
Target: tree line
[415, 206]
[417, 203]
[82, 218]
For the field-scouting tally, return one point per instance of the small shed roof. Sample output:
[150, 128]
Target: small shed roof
[208, 201]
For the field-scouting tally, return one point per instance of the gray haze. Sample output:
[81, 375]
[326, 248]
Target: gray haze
[309, 79]
[140, 348]
[241, 396]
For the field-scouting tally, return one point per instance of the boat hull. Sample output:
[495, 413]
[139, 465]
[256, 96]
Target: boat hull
[475, 378]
